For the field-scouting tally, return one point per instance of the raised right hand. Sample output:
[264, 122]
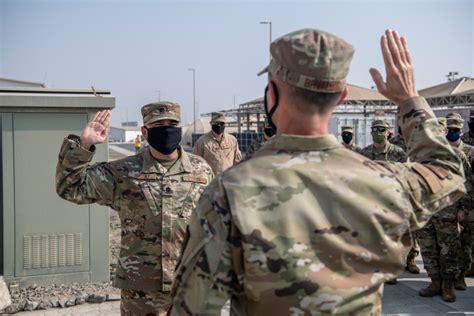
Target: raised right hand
[96, 131]
[400, 84]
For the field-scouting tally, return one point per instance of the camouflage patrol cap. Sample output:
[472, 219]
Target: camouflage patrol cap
[218, 117]
[311, 59]
[454, 120]
[380, 123]
[442, 121]
[158, 111]
[347, 129]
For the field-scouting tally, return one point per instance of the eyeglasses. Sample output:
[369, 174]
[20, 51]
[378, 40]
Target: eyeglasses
[379, 129]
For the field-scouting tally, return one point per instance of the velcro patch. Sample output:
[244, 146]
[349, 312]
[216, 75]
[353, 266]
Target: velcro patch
[440, 172]
[429, 176]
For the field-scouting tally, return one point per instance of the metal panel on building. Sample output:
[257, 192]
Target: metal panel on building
[44, 239]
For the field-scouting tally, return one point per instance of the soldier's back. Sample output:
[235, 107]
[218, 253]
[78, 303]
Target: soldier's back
[312, 243]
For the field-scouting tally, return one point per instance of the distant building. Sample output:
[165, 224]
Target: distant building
[130, 123]
[124, 134]
[15, 83]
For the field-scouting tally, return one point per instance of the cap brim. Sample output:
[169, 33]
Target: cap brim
[263, 71]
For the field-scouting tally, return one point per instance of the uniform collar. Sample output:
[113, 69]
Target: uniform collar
[149, 165]
[303, 143]
[211, 134]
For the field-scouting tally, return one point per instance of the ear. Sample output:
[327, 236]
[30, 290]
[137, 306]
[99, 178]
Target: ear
[144, 132]
[271, 97]
[343, 96]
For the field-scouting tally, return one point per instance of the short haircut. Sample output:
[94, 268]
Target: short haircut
[312, 102]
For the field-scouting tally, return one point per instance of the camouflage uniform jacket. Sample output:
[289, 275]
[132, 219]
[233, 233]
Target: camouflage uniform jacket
[467, 138]
[154, 205]
[219, 154]
[399, 141]
[256, 144]
[466, 202]
[308, 227]
[389, 153]
[351, 147]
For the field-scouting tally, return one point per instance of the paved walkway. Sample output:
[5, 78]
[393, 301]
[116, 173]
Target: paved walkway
[399, 299]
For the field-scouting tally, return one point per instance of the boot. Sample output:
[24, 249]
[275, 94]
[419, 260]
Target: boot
[447, 290]
[391, 281]
[470, 273]
[411, 265]
[433, 289]
[460, 282]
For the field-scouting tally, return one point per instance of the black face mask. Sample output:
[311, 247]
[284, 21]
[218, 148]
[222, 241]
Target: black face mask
[269, 131]
[218, 128]
[164, 139]
[347, 137]
[270, 113]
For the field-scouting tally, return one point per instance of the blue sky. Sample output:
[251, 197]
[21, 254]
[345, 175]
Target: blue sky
[135, 48]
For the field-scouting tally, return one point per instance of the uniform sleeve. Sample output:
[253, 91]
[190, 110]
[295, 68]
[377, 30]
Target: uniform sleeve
[434, 177]
[77, 181]
[207, 275]
[402, 156]
[365, 152]
[237, 153]
[465, 203]
[199, 148]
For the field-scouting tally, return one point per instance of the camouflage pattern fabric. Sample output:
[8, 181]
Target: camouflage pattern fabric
[440, 246]
[467, 203]
[256, 144]
[308, 227]
[154, 205]
[440, 238]
[219, 154]
[149, 303]
[466, 138]
[311, 59]
[399, 141]
[218, 117]
[351, 147]
[158, 111]
[389, 153]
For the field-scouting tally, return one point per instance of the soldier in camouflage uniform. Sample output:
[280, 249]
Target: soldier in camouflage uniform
[307, 226]
[467, 223]
[257, 143]
[347, 135]
[468, 138]
[382, 149]
[153, 192]
[219, 149]
[440, 239]
[399, 141]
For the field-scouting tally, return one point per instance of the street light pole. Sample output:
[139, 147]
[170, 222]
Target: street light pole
[159, 95]
[194, 97]
[270, 32]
